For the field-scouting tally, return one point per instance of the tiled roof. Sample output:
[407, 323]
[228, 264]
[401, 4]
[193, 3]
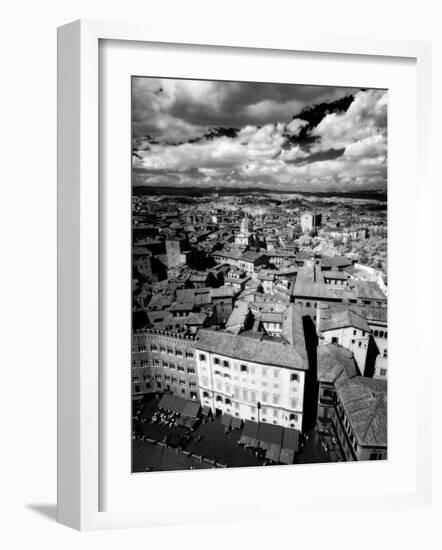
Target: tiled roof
[365, 404]
[251, 256]
[335, 261]
[222, 291]
[343, 319]
[333, 361]
[239, 314]
[368, 290]
[372, 313]
[255, 347]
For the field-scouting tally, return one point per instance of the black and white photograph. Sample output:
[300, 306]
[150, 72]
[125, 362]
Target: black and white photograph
[259, 274]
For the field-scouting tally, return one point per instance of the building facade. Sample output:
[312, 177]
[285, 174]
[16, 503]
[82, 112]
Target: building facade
[163, 361]
[251, 376]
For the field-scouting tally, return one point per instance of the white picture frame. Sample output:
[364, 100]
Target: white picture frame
[79, 264]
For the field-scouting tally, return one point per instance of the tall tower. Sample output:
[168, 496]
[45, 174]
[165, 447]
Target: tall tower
[245, 236]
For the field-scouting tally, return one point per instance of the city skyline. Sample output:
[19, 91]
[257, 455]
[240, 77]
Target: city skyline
[279, 137]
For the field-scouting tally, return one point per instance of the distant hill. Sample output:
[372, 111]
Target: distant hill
[373, 194]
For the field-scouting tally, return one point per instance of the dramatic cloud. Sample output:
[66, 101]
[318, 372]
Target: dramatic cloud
[260, 135]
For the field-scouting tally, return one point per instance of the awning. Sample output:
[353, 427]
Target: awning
[263, 436]
[290, 445]
[191, 409]
[207, 411]
[166, 401]
[249, 433]
[274, 452]
[178, 405]
[236, 422]
[269, 434]
[226, 419]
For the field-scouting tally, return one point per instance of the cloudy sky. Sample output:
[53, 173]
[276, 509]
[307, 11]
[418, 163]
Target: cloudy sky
[272, 136]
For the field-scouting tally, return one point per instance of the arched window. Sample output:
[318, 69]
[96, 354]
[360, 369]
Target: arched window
[376, 333]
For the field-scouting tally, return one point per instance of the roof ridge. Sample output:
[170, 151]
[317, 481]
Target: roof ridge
[379, 400]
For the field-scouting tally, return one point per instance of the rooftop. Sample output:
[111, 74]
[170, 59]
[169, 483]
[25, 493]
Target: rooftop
[258, 348]
[239, 314]
[343, 319]
[368, 290]
[333, 361]
[335, 261]
[365, 403]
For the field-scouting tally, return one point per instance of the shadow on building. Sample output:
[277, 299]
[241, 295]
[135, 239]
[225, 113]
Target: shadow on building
[311, 383]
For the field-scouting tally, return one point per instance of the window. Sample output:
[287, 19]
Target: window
[307, 304]
[171, 365]
[293, 417]
[156, 362]
[383, 372]
[359, 343]
[353, 341]
[276, 373]
[275, 413]
[190, 370]
[293, 403]
[152, 348]
[243, 368]
[225, 363]
[202, 357]
[216, 361]
[245, 394]
[189, 354]
[165, 364]
[179, 353]
[294, 377]
[162, 348]
[385, 354]
[275, 398]
[264, 396]
[206, 395]
[170, 350]
[334, 340]
[217, 373]
[354, 333]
